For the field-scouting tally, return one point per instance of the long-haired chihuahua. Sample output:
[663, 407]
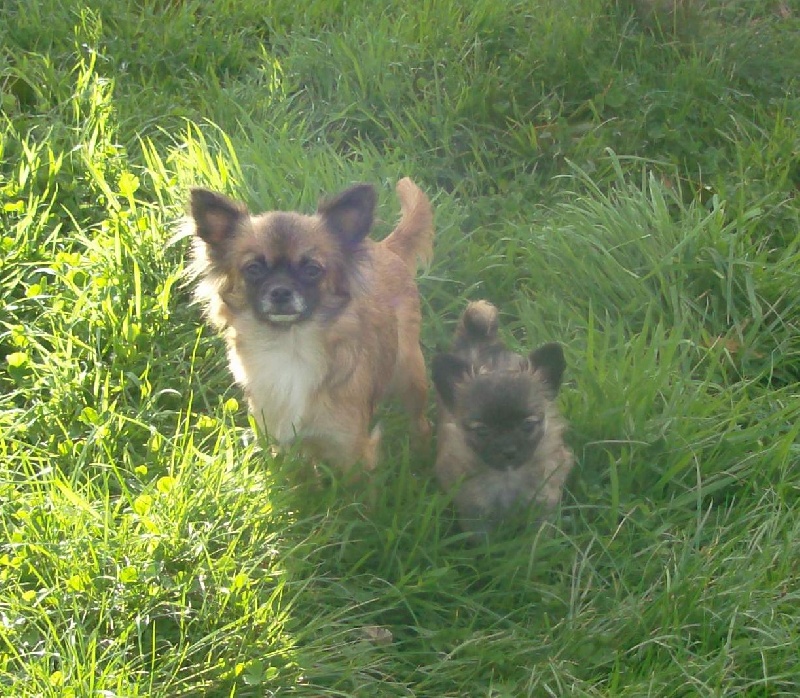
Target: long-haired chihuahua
[321, 322]
[500, 441]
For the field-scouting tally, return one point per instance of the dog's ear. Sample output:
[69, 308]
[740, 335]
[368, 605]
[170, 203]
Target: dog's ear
[216, 217]
[447, 371]
[548, 363]
[349, 215]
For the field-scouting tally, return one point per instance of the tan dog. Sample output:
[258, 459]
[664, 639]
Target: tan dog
[500, 444]
[321, 321]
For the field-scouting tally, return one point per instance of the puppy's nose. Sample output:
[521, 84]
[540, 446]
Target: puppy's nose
[280, 295]
[509, 453]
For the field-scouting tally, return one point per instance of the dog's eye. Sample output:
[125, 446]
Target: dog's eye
[311, 271]
[531, 423]
[479, 429]
[255, 270]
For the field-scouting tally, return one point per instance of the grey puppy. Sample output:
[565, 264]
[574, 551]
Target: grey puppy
[500, 438]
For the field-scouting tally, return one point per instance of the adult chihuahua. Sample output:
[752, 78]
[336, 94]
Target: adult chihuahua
[321, 322]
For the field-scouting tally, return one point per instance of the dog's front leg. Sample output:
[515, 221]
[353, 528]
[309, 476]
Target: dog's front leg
[352, 448]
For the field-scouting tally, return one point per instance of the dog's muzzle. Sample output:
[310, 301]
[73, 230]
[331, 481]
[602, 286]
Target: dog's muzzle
[282, 305]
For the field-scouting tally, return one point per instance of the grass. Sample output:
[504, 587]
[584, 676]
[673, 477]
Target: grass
[614, 175]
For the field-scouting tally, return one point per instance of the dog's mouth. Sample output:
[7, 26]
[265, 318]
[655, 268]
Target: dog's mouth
[284, 318]
[283, 309]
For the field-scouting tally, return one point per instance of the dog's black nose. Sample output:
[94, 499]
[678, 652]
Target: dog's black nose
[280, 295]
[509, 452]
[504, 458]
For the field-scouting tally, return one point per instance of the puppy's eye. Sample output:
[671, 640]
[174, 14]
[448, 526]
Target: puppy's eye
[530, 424]
[311, 271]
[479, 429]
[255, 270]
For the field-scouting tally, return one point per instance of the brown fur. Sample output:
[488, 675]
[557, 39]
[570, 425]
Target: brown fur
[320, 378]
[479, 380]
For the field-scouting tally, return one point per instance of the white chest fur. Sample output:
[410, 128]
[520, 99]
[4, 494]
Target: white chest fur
[281, 370]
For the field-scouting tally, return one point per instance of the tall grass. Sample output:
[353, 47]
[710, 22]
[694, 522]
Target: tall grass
[617, 176]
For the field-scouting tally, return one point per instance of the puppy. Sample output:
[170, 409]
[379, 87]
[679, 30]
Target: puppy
[500, 436]
[321, 322]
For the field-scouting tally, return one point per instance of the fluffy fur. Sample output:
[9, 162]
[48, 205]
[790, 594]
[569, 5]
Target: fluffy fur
[500, 436]
[321, 322]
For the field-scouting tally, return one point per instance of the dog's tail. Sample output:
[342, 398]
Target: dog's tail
[478, 323]
[412, 239]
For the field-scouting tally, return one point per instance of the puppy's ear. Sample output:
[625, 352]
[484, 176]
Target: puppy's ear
[216, 217]
[549, 363]
[447, 371]
[349, 215]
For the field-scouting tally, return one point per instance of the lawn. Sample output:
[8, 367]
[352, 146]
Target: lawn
[621, 176]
